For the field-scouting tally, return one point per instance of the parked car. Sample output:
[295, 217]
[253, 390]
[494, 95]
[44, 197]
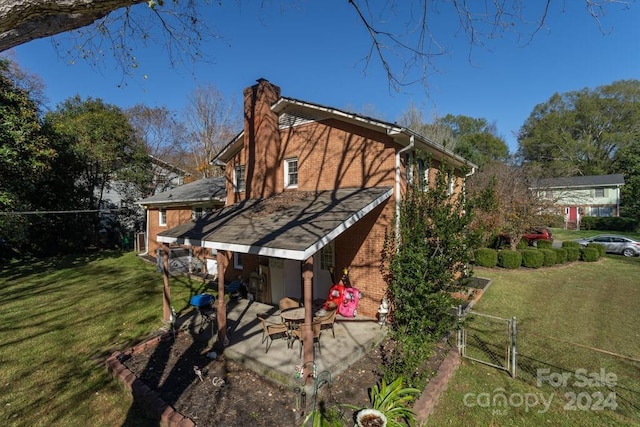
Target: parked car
[614, 244]
[530, 236]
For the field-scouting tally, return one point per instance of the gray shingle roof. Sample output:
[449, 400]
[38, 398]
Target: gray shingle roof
[582, 181]
[291, 225]
[203, 190]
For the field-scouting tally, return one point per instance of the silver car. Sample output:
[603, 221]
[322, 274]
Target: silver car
[614, 244]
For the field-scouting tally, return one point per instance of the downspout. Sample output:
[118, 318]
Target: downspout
[617, 200]
[399, 187]
[146, 233]
[464, 184]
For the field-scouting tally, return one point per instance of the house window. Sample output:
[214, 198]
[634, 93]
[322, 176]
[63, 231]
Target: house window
[452, 184]
[423, 175]
[237, 261]
[603, 211]
[326, 256]
[162, 217]
[197, 213]
[238, 179]
[599, 192]
[291, 173]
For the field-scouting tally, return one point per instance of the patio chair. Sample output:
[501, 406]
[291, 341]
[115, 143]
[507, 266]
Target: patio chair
[272, 330]
[287, 302]
[328, 319]
[297, 334]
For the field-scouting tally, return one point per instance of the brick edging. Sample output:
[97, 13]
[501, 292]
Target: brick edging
[434, 389]
[151, 401]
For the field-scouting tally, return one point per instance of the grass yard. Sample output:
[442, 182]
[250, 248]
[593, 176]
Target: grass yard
[560, 234]
[60, 319]
[565, 315]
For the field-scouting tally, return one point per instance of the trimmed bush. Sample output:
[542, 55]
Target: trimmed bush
[549, 257]
[610, 223]
[522, 244]
[509, 259]
[544, 244]
[573, 253]
[589, 254]
[486, 257]
[532, 258]
[570, 244]
[602, 249]
[561, 255]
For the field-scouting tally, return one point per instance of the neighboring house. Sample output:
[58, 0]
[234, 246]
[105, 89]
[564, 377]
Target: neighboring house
[579, 196]
[120, 214]
[184, 204]
[309, 187]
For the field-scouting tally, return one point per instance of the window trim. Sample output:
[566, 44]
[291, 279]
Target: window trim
[237, 261]
[162, 217]
[287, 165]
[324, 253]
[239, 185]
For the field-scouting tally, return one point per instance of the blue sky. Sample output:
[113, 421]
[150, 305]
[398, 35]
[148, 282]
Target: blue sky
[314, 52]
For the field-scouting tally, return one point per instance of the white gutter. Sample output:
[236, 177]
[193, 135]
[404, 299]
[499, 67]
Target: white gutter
[398, 187]
[464, 184]
[146, 234]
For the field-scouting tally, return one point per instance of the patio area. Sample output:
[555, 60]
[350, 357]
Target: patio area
[354, 337]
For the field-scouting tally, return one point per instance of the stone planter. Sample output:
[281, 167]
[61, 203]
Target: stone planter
[371, 418]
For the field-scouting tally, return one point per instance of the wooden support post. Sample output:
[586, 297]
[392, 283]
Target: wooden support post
[222, 259]
[307, 278]
[166, 293]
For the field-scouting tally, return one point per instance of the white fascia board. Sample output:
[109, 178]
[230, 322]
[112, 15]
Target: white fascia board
[256, 250]
[178, 240]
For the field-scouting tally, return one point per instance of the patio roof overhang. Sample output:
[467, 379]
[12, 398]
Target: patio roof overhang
[292, 225]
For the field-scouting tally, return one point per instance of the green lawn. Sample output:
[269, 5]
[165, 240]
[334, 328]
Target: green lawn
[560, 234]
[60, 319]
[565, 315]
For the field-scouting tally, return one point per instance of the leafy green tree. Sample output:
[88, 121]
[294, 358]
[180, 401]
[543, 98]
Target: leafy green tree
[476, 139]
[422, 265]
[105, 143]
[628, 164]
[581, 132]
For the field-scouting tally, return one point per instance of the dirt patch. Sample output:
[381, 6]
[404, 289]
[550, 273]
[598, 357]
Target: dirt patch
[232, 395]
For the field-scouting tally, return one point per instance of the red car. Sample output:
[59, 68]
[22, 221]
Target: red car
[531, 236]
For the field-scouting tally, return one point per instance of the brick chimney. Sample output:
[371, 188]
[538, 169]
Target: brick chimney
[262, 140]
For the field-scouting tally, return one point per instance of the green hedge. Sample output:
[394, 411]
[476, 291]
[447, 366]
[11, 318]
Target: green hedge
[589, 254]
[570, 244]
[549, 257]
[486, 257]
[602, 249]
[573, 253]
[544, 244]
[611, 223]
[561, 255]
[522, 244]
[532, 258]
[509, 259]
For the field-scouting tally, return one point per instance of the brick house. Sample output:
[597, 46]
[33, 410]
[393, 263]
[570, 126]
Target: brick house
[308, 187]
[580, 196]
[179, 205]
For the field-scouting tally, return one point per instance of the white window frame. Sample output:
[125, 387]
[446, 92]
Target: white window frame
[287, 177]
[162, 217]
[452, 184]
[239, 181]
[599, 190]
[237, 261]
[327, 254]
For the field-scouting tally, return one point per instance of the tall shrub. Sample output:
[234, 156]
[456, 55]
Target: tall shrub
[422, 265]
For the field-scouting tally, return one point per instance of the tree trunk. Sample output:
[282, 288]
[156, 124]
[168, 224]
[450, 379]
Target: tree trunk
[24, 20]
